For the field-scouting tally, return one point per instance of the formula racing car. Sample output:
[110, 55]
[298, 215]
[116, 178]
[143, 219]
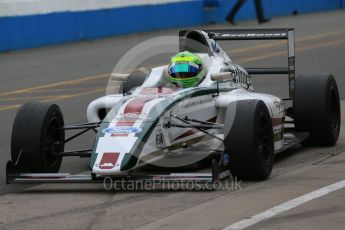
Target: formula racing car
[150, 122]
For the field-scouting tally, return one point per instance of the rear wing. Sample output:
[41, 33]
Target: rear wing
[264, 34]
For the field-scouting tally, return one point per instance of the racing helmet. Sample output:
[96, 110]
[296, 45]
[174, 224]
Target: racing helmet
[186, 70]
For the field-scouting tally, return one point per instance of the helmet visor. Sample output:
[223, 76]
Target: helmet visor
[184, 70]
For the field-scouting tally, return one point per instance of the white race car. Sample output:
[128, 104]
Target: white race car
[222, 121]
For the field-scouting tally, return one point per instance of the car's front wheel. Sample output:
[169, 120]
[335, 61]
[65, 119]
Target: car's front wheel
[250, 141]
[37, 138]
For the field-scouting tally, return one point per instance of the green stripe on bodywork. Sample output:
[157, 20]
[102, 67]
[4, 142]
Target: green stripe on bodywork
[128, 162]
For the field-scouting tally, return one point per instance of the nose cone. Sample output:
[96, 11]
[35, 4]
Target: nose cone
[125, 131]
[112, 154]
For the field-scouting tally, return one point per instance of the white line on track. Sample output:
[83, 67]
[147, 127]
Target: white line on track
[286, 206]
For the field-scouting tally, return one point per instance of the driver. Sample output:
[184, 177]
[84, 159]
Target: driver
[186, 70]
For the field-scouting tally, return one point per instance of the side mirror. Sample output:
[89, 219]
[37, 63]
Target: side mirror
[119, 77]
[224, 76]
[120, 80]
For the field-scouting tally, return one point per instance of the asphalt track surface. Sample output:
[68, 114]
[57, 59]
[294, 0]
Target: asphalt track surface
[74, 74]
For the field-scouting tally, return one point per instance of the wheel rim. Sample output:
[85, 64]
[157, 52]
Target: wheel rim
[264, 137]
[52, 144]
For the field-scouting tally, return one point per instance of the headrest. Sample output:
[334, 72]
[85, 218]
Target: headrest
[194, 41]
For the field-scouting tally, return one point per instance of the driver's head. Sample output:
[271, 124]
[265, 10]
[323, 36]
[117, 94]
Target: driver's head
[186, 70]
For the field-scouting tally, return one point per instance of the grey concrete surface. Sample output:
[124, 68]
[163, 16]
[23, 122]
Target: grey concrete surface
[320, 45]
[225, 210]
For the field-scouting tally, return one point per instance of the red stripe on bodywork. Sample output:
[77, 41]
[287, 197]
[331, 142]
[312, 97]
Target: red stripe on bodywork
[108, 160]
[186, 134]
[136, 105]
[119, 135]
[125, 122]
[213, 119]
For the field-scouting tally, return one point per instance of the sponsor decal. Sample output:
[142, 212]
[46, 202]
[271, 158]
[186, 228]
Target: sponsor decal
[277, 134]
[132, 116]
[251, 35]
[280, 106]
[106, 165]
[159, 138]
[214, 46]
[226, 158]
[122, 130]
[291, 75]
[224, 174]
[108, 160]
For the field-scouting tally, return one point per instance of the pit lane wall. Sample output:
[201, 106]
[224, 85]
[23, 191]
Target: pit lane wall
[32, 23]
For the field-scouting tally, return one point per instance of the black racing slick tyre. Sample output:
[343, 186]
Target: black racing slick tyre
[132, 82]
[250, 141]
[37, 137]
[317, 109]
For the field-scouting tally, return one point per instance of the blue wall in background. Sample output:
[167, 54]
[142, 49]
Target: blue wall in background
[37, 30]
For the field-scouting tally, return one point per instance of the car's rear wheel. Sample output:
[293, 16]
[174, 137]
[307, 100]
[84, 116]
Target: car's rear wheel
[317, 109]
[250, 141]
[37, 138]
